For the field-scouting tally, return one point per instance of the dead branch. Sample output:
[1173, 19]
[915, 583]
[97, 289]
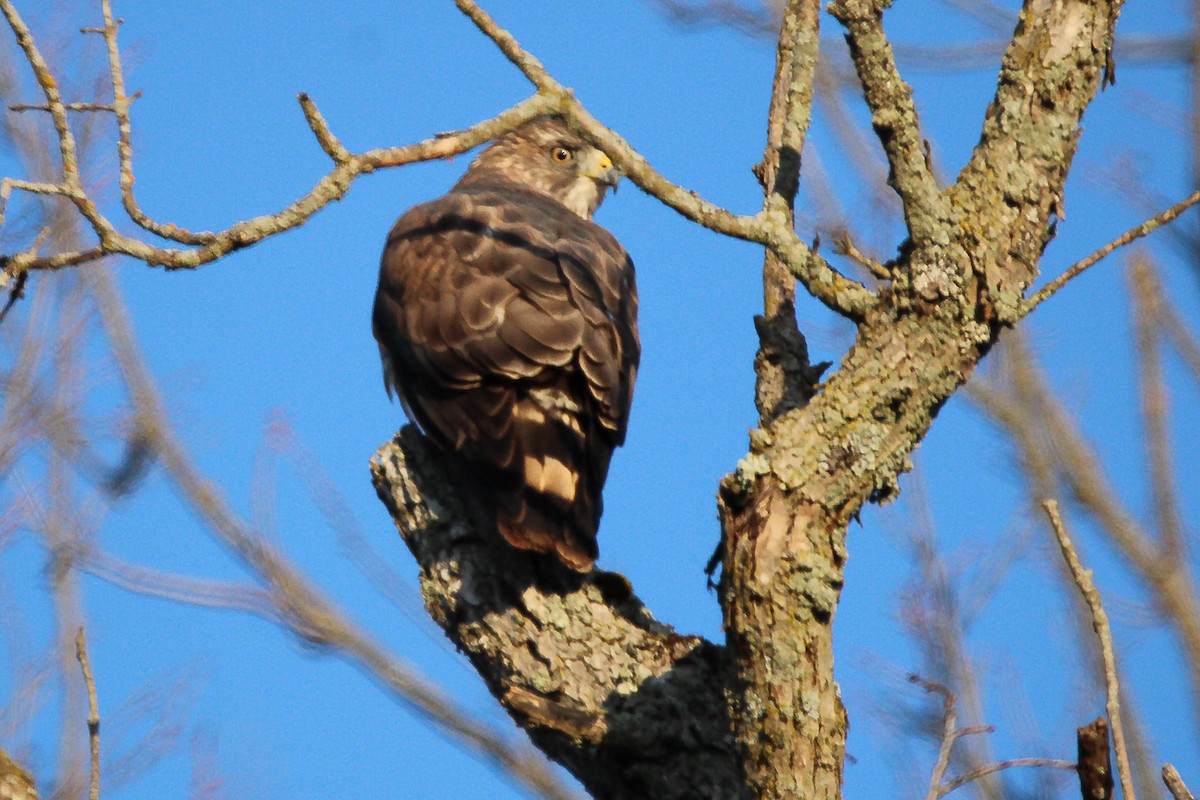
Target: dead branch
[1133, 234]
[93, 720]
[1175, 784]
[1083, 579]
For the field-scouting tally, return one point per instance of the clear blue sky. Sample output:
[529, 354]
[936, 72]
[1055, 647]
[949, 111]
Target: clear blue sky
[281, 331]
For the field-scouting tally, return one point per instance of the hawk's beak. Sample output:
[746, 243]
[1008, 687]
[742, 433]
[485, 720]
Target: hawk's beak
[601, 170]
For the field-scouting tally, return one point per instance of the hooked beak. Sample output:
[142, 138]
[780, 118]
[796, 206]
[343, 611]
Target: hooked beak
[602, 171]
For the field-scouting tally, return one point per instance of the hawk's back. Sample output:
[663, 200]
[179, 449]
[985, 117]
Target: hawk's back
[508, 326]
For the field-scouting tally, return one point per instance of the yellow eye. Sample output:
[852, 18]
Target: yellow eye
[561, 154]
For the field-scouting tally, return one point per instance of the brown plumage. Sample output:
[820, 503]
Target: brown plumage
[507, 323]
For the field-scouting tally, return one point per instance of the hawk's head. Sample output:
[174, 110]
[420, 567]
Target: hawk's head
[547, 156]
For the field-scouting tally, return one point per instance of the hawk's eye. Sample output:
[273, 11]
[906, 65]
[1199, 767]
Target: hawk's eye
[562, 154]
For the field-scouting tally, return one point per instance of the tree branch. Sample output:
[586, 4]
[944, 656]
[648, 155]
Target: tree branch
[894, 116]
[1175, 784]
[1131, 235]
[785, 377]
[1083, 579]
[93, 720]
[632, 708]
[839, 293]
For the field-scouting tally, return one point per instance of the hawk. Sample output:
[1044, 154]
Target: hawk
[507, 324]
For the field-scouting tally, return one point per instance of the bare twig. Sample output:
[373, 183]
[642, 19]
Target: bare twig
[845, 246]
[769, 227]
[975, 774]
[1175, 784]
[1083, 579]
[1128, 236]
[949, 734]
[93, 721]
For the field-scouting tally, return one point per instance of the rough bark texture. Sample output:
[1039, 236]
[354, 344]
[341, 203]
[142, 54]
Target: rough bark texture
[631, 708]
[973, 250]
[15, 782]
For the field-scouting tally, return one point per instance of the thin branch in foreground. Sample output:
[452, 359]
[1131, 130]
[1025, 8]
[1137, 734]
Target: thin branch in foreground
[93, 721]
[1083, 579]
[1175, 784]
[1133, 234]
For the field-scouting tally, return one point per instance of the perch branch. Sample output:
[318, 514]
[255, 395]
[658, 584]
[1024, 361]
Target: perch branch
[631, 707]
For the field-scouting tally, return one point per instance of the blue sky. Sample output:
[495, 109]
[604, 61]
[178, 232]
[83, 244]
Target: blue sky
[281, 332]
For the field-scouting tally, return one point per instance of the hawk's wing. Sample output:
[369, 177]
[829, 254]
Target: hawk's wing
[508, 325]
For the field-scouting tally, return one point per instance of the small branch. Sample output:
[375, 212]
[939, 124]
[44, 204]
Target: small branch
[840, 294]
[1175, 784]
[510, 47]
[120, 106]
[893, 115]
[1083, 579]
[949, 734]
[331, 188]
[1128, 236]
[329, 143]
[979, 772]
[93, 721]
[844, 245]
[49, 87]
[21, 107]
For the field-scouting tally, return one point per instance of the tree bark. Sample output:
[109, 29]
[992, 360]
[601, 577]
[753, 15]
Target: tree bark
[629, 706]
[973, 250]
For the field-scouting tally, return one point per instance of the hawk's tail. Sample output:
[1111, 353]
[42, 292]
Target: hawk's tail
[557, 469]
